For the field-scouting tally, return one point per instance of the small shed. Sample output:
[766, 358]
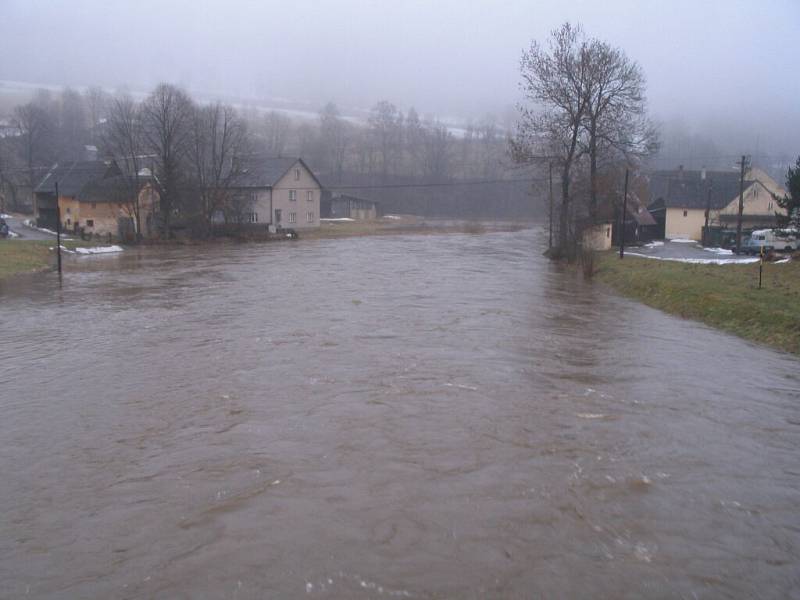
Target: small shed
[340, 206]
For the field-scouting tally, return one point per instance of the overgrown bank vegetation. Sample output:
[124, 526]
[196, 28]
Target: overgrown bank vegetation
[723, 296]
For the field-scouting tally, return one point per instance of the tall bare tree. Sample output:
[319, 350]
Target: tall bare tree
[276, 130]
[218, 138]
[36, 128]
[167, 115]
[124, 141]
[615, 118]
[554, 82]
[386, 127]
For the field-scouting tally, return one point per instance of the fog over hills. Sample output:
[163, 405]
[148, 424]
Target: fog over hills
[721, 71]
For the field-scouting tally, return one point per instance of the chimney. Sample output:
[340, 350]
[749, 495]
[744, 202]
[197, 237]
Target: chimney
[703, 174]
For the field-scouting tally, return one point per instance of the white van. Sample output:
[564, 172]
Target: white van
[784, 240]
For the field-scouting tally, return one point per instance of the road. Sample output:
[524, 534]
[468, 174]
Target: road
[15, 223]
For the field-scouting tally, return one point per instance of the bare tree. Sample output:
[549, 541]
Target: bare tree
[335, 138]
[386, 127]
[36, 128]
[97, 106]
[276, 132]
[437, 145]
[218, 138]
[615, 117]
[554, 80]
[123, 140]
[167, 114]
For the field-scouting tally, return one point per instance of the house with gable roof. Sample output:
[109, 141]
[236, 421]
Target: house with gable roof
[281, 191]
[680, 198]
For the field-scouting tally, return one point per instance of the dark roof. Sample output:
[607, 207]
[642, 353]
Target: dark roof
[688, 189]
[72, 176]
[266, 171]
[110, 189]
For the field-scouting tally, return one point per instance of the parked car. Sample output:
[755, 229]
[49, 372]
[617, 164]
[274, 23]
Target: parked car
[785, 240]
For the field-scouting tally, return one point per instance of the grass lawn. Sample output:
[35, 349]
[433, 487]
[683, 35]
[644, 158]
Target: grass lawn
[724, 296]
[26, 256]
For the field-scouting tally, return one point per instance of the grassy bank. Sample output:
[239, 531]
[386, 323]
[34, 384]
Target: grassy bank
[28, 256]
[724, 296]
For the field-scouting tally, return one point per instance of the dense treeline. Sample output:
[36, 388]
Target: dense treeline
[407, 163]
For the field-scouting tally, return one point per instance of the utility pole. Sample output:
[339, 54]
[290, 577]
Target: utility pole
[708, 212]
[58, 232]
[623, 218]
[743, 165]
[550, 239]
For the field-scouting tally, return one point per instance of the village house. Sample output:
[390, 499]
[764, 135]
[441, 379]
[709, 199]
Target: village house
[343, 206]
[680, 198]
[95, 198]
[281, 192]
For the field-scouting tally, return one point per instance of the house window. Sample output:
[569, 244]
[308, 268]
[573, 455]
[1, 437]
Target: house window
[297, 174]
[310, 196]
[69, 222]
[309, 217]
[292, 217]
[90, 222]
[254, 197]
[292, 195]
[94, 204]
[68, 210]
[686, 213]
[252, 217]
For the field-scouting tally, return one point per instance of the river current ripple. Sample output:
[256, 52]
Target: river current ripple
[443, 416]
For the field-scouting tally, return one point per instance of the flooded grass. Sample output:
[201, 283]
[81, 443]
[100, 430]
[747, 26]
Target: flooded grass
[29, 256]
[724, 296]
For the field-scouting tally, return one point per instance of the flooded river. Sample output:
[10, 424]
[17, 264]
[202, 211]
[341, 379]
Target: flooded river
[385, 417]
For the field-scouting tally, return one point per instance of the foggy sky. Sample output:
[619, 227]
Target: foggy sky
[724, 65]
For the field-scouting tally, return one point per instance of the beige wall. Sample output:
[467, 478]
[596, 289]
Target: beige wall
[688, 227]
[598, 237]
[103, 215]
[757, 201]
[301, 206]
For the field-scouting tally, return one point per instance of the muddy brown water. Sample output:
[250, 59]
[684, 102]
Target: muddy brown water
[384, 417]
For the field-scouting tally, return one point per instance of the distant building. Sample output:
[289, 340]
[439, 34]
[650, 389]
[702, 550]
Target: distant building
[340, 206]
[282, 192]
[679, 200]
[94, 197]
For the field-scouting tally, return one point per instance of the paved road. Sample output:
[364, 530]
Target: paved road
[692, 251]
[15, 223]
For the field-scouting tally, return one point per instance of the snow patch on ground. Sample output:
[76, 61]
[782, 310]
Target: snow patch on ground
[781, 261]
[11, 234]
[654, 245]
[682, 241]
[339, 219]
[5, 216]
[99, 250]
[718, 250]
[392, 217]
[701, 261]
[94, 250]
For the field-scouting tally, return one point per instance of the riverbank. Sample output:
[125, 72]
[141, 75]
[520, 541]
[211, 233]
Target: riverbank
[29, 256]
[723, 296]
[405, 224]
